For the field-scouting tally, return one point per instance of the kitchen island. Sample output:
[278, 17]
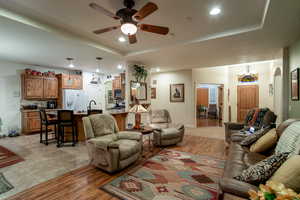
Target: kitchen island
[31, 120]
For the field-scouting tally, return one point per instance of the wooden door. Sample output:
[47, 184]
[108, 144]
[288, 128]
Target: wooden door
[247, 98]
[202, 96]
[33, 87]
[50, 88]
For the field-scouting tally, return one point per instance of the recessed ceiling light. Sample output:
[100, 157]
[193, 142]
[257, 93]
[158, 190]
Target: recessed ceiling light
[120, 66]
[157, 69]
[97, 70]
[122, 39]
[215, 11]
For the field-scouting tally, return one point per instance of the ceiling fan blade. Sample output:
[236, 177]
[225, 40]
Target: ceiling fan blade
[155, 29]
[104, 30]
[103, 10]
[132, 39]
[145, 11]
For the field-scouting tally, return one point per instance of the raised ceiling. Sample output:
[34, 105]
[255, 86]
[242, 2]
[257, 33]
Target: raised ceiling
[245, 31]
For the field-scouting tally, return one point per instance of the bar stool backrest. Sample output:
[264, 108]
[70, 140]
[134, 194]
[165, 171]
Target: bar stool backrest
[65, 116]
[43, 116]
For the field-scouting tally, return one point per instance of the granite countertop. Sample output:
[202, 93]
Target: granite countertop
[112, 111]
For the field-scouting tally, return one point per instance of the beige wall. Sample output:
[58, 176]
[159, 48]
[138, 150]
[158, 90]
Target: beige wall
[180, 112]
[213, 75]
[226, 75]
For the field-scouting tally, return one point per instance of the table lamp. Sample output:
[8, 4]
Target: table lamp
[137, 109]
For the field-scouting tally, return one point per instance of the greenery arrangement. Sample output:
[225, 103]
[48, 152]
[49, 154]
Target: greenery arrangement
[273, 191]
[140, 73]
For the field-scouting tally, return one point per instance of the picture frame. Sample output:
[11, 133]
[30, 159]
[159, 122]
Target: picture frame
[295, 85]
[177, 93]
[153, 93]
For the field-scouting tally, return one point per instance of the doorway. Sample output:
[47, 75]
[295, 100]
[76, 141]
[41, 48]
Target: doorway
[247, 99]
[209, 105]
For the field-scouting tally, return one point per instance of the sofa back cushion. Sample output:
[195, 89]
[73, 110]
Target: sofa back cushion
[289, 139]
[103, 124]
[160, 116]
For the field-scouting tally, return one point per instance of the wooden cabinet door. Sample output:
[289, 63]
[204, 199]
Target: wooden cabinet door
[50, 88]
[67, 82]
[77, 82]
[248, 98]
[33, 87]
[33, 124]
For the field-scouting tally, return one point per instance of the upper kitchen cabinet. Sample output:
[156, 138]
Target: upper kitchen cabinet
[70, 81]
[50, 88]
[32, 87]
[39, 87]
[118, 86]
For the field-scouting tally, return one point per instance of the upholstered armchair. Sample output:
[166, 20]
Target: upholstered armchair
[165, 133]
[108, 148]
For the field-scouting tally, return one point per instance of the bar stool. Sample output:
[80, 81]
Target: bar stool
[45, 122]
[66, 119]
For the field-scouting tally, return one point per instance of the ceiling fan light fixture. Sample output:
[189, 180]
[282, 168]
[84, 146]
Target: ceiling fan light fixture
[129, 28]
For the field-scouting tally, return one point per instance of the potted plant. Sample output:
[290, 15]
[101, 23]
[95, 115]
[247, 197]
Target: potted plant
[140, 73]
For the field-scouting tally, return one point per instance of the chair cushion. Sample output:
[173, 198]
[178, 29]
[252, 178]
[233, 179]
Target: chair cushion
[103, 124]
[170, 133]
[263, 170]
[289, 173]
[289, 139]
[128, 148]
[104, 141]
[265, 142]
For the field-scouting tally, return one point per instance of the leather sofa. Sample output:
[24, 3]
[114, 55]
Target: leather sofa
[108, 148]
[240, 158]
[232, 128]
[165, 133]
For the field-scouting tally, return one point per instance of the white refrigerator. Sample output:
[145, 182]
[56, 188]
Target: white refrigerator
[75, 100]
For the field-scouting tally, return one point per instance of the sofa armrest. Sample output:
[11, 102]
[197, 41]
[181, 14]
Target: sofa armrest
[130, 135]
[236, 187]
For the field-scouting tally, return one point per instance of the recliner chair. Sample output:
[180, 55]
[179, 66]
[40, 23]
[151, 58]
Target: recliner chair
[165, 133]
[108, 148]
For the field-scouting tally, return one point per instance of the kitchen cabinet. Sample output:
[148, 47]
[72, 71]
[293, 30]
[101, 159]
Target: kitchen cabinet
[70, 81]
[32, 87]
[50, 88]
[39, 87]
[119, 84]
[31, 122]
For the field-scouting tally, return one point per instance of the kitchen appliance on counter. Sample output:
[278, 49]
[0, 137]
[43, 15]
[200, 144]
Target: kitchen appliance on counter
[75, 100]
[51, 104]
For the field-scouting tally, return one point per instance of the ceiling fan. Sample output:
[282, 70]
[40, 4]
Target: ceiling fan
[130, 19]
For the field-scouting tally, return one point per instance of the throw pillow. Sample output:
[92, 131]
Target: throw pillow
[265, 142]
[289, 173]
[288, 140]
[254, 137]
[263, 170]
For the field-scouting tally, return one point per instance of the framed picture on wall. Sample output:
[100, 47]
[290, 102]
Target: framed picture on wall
[177, 93]
[295, 85]
[153, 93]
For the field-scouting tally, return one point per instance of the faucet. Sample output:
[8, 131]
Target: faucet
[90, 104]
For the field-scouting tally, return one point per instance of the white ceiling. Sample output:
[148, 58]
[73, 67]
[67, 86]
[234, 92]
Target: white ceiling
[246, 31]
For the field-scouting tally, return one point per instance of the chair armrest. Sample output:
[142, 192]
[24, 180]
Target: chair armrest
[236, 187]
[100, 143]
[130, 135]
[234, 126]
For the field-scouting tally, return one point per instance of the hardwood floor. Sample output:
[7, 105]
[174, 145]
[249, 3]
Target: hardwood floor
[84, 183]
[207, 122]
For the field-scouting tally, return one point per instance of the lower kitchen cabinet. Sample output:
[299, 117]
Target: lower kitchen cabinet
[31, 122]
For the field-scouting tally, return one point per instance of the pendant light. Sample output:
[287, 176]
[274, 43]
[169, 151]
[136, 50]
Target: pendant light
[71, 65]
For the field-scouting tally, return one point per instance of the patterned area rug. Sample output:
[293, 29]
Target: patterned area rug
[170, 175]
[5, 186]
[8, 158]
